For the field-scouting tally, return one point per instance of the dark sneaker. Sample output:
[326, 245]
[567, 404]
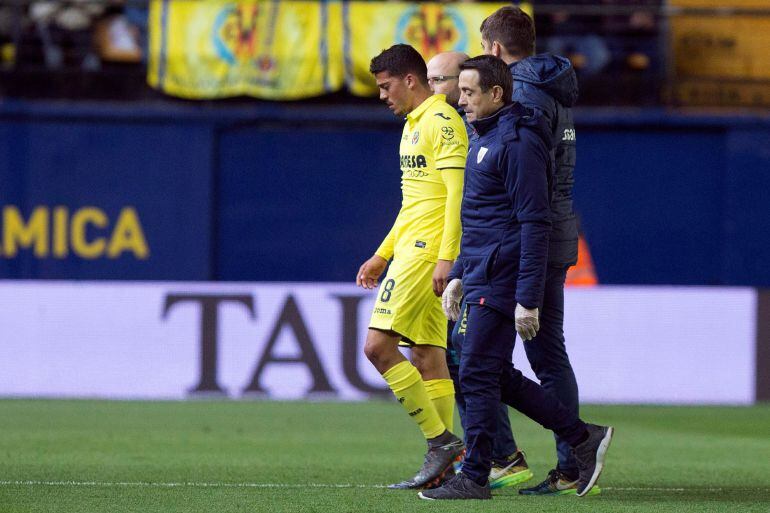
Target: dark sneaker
[509, 472]
[457, 488]
[557, 484]
[437, 466]
[590, 456]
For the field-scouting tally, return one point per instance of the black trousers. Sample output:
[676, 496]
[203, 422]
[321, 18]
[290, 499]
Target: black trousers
[487, 377]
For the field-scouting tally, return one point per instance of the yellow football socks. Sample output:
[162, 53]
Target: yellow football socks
[406, 383]
[442, 393]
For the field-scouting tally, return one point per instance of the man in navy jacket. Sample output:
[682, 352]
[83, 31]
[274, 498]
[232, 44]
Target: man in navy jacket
[506, 219]
[548, 85]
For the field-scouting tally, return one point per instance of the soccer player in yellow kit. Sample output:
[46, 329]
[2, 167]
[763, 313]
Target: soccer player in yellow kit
[423, 244]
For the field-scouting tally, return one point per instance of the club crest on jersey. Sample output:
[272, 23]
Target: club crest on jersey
[480, 155]
[416, 137]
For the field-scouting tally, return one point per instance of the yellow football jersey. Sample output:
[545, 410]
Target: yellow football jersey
[434, 145]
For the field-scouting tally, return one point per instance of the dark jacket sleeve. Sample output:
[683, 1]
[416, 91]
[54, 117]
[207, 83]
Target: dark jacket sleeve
[457, 268]
[527, 182]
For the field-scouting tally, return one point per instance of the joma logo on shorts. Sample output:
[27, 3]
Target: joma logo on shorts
[415, 412]
[569, 134]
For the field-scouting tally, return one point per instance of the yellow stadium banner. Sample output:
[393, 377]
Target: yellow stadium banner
[721, 55]
[722, 44]
[268, 49]
[431, 28]
[288, 50]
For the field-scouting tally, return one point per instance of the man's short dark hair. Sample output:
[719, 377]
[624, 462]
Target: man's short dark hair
[492, 72]
[400, 60]
[512, 28]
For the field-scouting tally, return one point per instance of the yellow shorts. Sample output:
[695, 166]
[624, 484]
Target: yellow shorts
[406, 304]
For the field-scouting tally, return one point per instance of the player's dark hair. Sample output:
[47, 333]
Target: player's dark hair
[512, 28]
[400, 60]
[492, 72]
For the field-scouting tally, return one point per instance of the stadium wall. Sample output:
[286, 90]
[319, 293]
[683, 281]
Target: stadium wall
[298, 192]
[177, 340]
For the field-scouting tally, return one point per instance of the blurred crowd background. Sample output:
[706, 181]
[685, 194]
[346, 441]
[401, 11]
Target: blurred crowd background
[46, 44]
[174, 117]
[626, 52]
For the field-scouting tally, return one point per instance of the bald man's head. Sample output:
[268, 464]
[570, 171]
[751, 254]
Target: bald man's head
[443, 72]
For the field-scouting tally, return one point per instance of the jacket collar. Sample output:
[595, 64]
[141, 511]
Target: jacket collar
[484, 125]
[416, 113]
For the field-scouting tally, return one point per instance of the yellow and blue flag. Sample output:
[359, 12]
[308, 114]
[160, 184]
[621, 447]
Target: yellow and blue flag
[286, 50]
[430, 27]
[267, 48]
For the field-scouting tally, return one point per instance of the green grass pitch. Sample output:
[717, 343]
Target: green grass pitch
[238, 456]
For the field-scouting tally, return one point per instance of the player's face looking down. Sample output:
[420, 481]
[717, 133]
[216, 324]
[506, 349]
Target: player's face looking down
[476, 103]
[396, 92]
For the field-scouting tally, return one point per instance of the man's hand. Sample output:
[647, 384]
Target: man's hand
[370, 272]
[440, 274]
[527, 322]
[451, 298]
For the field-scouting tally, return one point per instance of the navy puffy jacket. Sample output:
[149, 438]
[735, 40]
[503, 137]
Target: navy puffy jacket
[547, 84]
[506, 213]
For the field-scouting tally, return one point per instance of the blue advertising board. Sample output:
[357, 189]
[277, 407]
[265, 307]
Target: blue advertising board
[280, 192]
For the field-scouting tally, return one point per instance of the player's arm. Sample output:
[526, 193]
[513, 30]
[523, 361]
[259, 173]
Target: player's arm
[450, 147]
[450, 241]
[388, 244]
[370, 271]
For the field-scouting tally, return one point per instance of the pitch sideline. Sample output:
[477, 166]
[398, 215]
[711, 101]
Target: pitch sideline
[193, 484]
